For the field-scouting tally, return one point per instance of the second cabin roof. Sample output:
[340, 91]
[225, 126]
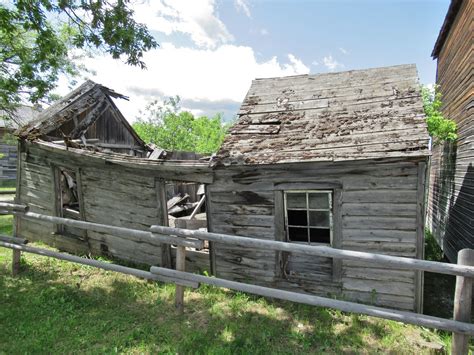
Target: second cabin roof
[360, 114]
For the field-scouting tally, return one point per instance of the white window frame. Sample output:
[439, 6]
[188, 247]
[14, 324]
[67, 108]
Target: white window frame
[330, 194]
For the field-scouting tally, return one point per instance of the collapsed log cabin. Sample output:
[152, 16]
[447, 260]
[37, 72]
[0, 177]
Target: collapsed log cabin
[334, 159]
[87, 115]
[451, 197]
[82, 160]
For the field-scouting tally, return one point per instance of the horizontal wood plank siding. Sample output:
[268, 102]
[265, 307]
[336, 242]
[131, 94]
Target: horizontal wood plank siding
[379, 214]
[110, 196]
[451, 196]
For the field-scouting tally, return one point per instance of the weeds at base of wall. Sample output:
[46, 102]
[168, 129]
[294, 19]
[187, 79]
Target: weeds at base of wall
[432, 250]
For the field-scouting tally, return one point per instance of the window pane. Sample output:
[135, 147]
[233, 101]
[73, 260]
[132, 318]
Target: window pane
[297, 218]
[296, 200]
[319, 200]
[297, 234]
[319, 218]
[319, 235]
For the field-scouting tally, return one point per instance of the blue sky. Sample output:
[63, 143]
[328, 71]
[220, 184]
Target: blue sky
[211, 50]
[373, 33]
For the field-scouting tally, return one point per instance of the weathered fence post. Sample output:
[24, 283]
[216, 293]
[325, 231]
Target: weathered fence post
[180, 266]
[462, 303]
[16, 256]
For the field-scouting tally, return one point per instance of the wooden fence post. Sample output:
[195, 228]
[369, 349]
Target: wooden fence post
[462, 303]
[180, 266]
[16, 255]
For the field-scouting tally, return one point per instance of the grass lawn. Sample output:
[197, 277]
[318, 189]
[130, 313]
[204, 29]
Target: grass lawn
[60, 307]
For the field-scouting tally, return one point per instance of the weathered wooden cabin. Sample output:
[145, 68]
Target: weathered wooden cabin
[451, 196]
[81, 159]
[335, 159]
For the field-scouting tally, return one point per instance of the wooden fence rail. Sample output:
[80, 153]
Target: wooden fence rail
[183, 238]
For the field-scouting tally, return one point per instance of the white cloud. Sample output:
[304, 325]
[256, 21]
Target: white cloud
[315, 63]
[343, 51]
[220, 75]
[197, 18]
[264, 32]
[332, 64]
[296, 65]
[242, 5]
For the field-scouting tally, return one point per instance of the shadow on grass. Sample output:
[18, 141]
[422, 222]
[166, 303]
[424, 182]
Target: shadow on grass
[42, 312]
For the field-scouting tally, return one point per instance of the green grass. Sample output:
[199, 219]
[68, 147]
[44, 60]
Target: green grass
[60, 307]
[7, 184]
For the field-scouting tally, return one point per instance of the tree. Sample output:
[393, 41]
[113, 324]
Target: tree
[440, 128]
[37, 36]
[171, 128]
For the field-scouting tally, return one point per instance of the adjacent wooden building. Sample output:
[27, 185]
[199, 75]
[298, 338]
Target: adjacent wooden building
[451, 196]
[334, 159]
[82, 160]
[8, 145]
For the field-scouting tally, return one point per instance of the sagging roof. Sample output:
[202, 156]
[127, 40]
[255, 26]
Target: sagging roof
[170, 169]
[447, 24]
[86, 103]
[359, 114]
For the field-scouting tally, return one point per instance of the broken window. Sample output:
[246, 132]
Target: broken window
[309, 216]
[69, 197]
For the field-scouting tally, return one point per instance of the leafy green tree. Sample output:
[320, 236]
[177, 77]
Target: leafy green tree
[36, 37]
[171, 128]
[440, 128]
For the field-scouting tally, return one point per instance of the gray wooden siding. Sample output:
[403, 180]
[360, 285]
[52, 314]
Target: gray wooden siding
[8, 158]
[451, 197]
[109, 196]
[378, 214]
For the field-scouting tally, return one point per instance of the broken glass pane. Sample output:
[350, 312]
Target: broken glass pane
[296, 234]
[297, 218]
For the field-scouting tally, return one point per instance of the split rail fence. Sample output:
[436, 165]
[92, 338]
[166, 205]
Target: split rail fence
[182, 238]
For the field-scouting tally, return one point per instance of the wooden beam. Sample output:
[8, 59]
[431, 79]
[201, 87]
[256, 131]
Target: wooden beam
[160, 186]
[13, 240]
[462, 303]
[13, 207]
[146, 236]
[378, 259]
[184, 242]
[379, 312]
[16, 259]
[119, 146]
[180, 266]
[88, 141]
[420, 234]
[98, 264]
[199, 205]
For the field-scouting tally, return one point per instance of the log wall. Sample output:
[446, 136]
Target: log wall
[8, 156]
[110, 195]
[380, 211]
[451, 197]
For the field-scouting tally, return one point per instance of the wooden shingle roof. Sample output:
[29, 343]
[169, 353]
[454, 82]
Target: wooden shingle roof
[359, 114]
